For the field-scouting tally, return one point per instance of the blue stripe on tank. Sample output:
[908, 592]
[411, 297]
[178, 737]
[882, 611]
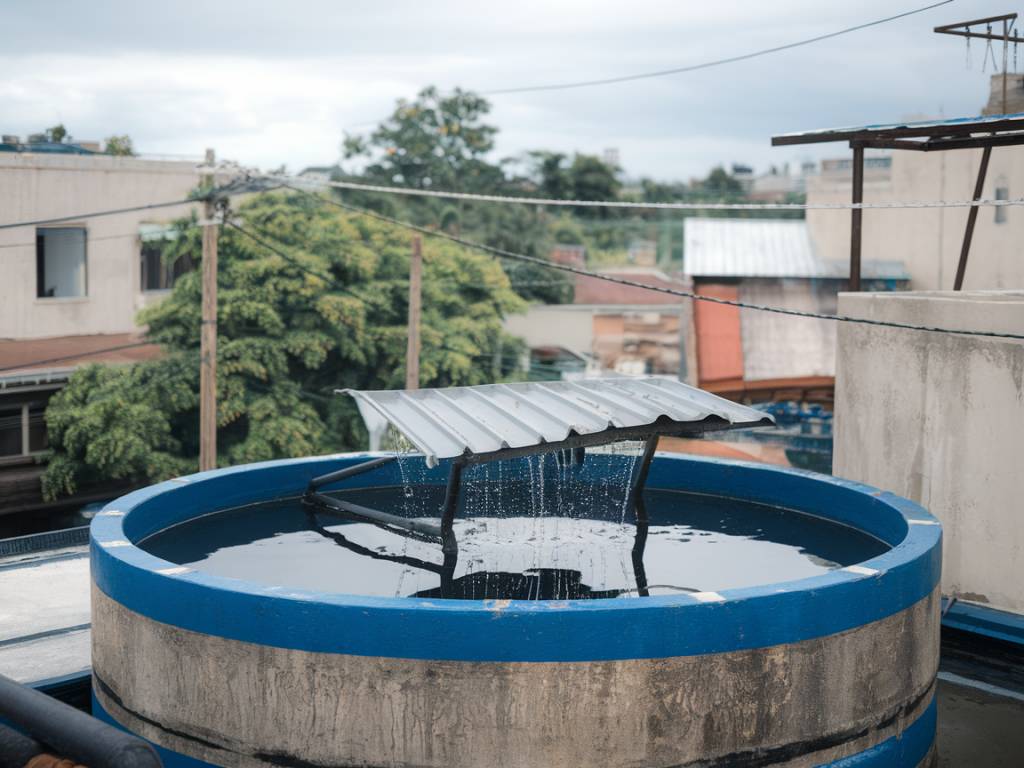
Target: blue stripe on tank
[582, 630]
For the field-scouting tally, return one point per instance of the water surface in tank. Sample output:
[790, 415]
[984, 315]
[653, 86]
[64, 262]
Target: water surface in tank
[514, 542]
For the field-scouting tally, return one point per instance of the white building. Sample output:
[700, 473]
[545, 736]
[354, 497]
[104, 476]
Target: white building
[928, 241]
[70, 290]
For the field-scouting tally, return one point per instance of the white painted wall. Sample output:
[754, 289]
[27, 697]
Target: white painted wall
[928, 240]
[562, 325]
[43, 186]
[940, 419]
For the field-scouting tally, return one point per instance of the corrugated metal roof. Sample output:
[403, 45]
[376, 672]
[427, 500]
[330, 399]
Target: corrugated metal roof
[771, 248]
[445, 423]
[958, 126]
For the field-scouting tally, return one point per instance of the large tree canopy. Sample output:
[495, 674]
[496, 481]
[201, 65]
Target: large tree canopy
[290, 331]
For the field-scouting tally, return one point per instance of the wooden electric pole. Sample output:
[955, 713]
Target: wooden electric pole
[412, 351]
[208, 332]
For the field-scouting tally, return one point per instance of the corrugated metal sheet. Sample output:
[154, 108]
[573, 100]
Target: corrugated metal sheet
[958, 125]
[769, 248]
[445, 423]
[748, 248]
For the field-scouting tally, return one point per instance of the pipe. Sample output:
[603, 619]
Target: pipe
[341, 474]
[16, 749]
[71, 733]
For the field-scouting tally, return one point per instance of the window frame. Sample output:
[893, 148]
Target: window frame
[24, 422]
[1001, 193]
[41, 263]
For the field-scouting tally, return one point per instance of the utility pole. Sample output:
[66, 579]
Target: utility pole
[208, 332]
[412, 351]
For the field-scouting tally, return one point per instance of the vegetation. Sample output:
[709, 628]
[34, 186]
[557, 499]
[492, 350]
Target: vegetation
[119, 145]
[289, 333]
[333, 314]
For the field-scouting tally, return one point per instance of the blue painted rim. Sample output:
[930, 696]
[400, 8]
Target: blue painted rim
[580, 630]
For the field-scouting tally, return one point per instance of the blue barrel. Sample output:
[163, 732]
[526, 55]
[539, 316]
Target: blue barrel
[837, 669]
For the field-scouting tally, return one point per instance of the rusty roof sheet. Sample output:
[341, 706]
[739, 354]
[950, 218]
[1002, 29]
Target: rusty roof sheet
[486, 419]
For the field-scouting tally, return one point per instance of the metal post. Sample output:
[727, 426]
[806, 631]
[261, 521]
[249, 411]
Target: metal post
[972, 216]
[1006, 48]
[208, 332]
[412, 352]
[639, 545]
[640, 478]
[451, 505]
[856, 216]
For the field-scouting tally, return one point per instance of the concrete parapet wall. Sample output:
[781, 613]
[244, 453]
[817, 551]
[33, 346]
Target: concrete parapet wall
[939, 419]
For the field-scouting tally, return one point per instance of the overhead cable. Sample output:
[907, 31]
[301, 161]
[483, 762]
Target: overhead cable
[97, 214]
[504, 254]
[541, 201]
[34, 363]
[707, 64]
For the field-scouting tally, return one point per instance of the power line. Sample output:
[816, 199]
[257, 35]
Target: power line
[91, 353]
[688, 68]
[97, 214]
[543, 201]
[136, 233]
[707, 64]
[502, 253]
[292, 260]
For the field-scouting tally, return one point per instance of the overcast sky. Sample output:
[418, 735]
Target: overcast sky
[267, 83]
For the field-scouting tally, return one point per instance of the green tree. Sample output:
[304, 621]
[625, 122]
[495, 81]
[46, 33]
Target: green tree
[443, 142]
[289, 333]
[119, 145]
[57, 133]
[434, 141]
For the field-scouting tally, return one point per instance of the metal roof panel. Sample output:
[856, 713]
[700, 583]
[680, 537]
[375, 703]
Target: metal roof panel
[460, 421]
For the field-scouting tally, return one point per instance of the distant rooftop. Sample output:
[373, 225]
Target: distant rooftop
[592, 290]
[768, 248]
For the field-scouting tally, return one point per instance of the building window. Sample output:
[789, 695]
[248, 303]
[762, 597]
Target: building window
[60, 262]
[22, 429]
[1002, 193]
[156, 274]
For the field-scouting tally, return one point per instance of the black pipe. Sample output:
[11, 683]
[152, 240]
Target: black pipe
[70, 733]
[16, 749]
[395, 523]
[341, 474]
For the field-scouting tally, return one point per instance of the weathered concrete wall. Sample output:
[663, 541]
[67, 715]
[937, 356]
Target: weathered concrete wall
[240, 704]
[928, 240]
[940, 419]
[38, 186]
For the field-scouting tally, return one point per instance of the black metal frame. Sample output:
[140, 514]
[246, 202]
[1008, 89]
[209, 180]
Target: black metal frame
[978, 134]
[571, 449]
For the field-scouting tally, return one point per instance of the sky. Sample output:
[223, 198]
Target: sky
[268, 84]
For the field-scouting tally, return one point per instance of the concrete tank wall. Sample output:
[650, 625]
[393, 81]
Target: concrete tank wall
[939, 419]
[798, 674]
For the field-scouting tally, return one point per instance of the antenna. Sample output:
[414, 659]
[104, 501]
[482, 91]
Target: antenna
[963, 29]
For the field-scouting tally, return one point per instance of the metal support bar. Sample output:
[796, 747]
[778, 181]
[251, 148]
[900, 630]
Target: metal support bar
[71, 733]
[639, 545]
[636, 487]
[972, 216]
[415, 529]
[856, 217]
[341, 474]
[451, 505]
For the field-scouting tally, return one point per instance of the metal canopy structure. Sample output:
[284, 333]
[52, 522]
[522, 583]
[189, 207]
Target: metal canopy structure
[983, 132]
[500, 421]
[492, 422]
